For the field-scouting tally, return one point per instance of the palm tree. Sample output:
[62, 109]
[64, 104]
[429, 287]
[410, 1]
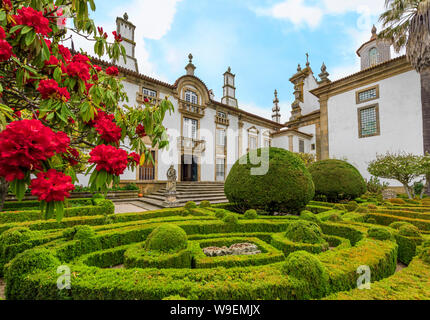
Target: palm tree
[407, 24]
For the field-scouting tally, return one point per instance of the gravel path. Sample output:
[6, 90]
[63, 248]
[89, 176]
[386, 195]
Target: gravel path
[127, 207]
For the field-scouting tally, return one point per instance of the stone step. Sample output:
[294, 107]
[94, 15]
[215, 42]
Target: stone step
[187, 197]
[181, 193]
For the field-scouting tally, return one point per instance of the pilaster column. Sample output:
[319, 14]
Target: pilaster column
[324, 147]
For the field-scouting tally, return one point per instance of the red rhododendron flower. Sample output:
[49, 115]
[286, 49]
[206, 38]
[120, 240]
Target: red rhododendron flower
[98, 68]
[2, 34]
[112, 71]
[134, 157]
[140, 131]
[72, 156]
[108, 130]
[50, 89]
[51, 186]
[65, 53]
[79, 70]
[117, 36]
[53, 61]
[110, 159]
[100, 30]
[80, 58]
[5, 50]
[25, 144]
[29, 17]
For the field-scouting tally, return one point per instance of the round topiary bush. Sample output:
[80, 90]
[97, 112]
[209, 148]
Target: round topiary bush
[304, 231]
[230, 218]
[351, 205]
[305, 266]
[379, 233]
[251, 214]
[190, 205]
[286, 186]
[205, 204]
[30, 261]
[409, 230]
[337, 180]
[166, 238]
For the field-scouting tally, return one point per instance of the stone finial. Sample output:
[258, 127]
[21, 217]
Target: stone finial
[229, 69]
[125, 16]
[299, 68]
[374, 35]
[276, 116]
[307, 60]
[190, 66]
[276, 94]
[324, 74]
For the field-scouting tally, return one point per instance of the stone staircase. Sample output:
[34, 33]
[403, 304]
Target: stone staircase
[189, 191]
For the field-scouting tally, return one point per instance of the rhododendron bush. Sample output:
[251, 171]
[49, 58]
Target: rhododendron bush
[59, 112]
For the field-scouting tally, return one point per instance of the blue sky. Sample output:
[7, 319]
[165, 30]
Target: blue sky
[262, 41]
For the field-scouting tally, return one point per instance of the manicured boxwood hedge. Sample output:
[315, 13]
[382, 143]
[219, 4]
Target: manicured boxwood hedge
[117, 241]
[411, 283]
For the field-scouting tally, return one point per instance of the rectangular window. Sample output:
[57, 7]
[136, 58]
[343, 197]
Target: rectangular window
[313, 146]
[267, 143]
[220, 169]
[368, 121]
[190, 128]
[191, 97]
[301, 146]
[367, 94]
[252, 142]
[220, 133]
[149, 92]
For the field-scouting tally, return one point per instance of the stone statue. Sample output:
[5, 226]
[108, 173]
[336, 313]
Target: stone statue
[171, 174]
[171, 187]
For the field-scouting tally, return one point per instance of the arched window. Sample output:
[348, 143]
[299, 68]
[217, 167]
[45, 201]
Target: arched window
[190, 96]
[373, 56]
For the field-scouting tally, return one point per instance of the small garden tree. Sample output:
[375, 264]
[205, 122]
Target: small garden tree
[403, 167]
[56, 105]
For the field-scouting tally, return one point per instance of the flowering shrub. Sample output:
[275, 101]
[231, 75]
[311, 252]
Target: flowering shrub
[51, 186]
[58, 107]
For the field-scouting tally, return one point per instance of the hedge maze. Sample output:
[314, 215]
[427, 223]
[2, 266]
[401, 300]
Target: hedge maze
[159, 254]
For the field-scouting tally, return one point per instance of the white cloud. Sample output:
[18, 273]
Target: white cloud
[301, 14]
[296, 11]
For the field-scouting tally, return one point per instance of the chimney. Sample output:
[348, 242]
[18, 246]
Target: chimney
[276, 116]
[229, 89]
[126, 29]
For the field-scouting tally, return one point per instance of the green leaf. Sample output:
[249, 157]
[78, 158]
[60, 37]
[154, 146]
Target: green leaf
[59, 208]
[26, 29]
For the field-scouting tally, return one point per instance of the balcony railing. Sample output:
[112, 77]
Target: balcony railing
[140, 98]
[191, 108]
[222, 121]
[191, 145]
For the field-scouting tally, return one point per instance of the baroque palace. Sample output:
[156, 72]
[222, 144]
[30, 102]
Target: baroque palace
[375, 110]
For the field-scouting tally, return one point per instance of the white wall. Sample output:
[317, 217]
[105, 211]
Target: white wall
[400, 122]
[310, 102]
